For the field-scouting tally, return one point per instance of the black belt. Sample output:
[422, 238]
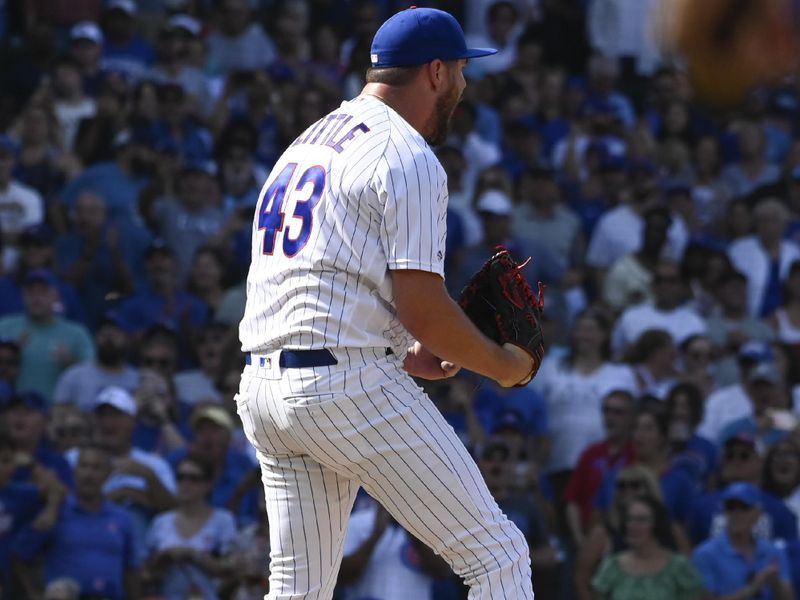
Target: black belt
[303, 359]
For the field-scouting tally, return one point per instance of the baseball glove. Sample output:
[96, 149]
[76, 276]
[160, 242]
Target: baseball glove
[730, 46]
[503, 306]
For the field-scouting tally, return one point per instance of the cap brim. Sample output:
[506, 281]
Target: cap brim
[478, 52]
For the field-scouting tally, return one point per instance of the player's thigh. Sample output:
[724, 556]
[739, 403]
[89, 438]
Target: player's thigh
[390, 436]
[308, 507]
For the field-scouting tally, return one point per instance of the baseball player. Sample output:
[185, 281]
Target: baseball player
[345, 302]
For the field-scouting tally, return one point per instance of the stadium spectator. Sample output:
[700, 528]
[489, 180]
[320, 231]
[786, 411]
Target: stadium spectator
[738, 563]
[196, 386]
[20, 205]
[49, 342]
[684, 407]
[741, 461]
[211, 429]
[187, 546]
[666, 312]
[86, 49]
[651, 449]
[124, 51]
[653, 359]
[598, 460]
[781, 476]
[80, 384]
[649, 565]
[765, 257]
[238, 43]
[752, 169]
[92, 540]
[25, 419]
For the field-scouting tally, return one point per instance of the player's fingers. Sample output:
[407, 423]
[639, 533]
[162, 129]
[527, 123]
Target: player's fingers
[449, 369]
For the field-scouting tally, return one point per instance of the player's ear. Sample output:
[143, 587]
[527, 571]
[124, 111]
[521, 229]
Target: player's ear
[436, 72]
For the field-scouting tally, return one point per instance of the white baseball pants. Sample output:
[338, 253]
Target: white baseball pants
[322, 432]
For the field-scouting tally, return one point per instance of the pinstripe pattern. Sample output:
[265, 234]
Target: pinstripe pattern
[323, 432]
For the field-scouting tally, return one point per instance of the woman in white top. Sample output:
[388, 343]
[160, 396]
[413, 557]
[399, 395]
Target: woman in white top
[574, 386]
[187, 546]
[786, 319]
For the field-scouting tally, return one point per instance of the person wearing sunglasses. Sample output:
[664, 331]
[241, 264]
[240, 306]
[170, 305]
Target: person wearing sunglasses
[607, 537]
[741, 461]
[738, 564]
[648, 567]
[186, 546]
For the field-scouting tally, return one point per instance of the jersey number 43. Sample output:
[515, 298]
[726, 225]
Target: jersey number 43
[271, 218]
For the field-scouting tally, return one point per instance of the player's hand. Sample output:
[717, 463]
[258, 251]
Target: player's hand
[519, 366]
[420, 362]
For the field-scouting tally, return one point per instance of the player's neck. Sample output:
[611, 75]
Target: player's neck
[405, 101]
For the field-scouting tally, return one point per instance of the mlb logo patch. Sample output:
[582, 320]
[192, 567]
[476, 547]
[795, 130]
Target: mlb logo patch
[374, 58]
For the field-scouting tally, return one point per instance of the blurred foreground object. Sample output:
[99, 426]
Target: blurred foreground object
[731, 46]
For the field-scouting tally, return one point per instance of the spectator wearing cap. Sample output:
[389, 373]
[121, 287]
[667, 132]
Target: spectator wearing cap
[193, 217]
[730, 325]
[751, 170]
[238, 43]
[20, 206]
[37, 251]
[50, 343]
[765, 257]
[188, 546]
[495, 209]
[171, 65]
[543, 216]
[666, 312]
[210, 443]
[25, 419]
[95, 256]
[766, 391]
[732, 402]
[34, 503]
[737, 564]
[741, 460]
[141, 482]
[630, 279]
[620, 231]
[163, 301]
[598, 459]
[123, 50]
[72, 104]
[80, 384]
[86, 49]
[92, 542]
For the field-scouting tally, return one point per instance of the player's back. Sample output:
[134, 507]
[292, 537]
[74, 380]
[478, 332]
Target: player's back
[357, 193]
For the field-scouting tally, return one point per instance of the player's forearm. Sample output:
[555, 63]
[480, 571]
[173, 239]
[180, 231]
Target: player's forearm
[439, 324]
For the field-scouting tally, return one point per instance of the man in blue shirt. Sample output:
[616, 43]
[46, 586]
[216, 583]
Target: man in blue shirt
[740, 462]
[92, 541]
[21, 504]
[737, 564]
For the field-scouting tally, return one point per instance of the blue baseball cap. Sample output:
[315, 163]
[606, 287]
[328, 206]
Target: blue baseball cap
[32, 400]
[743, 492]
[40, 276]
[416, 36]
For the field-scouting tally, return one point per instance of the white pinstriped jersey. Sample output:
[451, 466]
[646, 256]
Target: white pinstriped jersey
[358, 193]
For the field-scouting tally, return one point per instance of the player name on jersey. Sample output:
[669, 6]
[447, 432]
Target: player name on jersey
[325, 132]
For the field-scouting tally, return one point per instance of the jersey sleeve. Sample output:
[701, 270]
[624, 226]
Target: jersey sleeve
[412, 190]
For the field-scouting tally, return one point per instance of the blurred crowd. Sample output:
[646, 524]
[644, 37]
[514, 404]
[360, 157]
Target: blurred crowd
[657, 452]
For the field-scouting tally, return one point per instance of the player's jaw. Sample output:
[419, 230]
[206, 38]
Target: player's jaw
[439, 123]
